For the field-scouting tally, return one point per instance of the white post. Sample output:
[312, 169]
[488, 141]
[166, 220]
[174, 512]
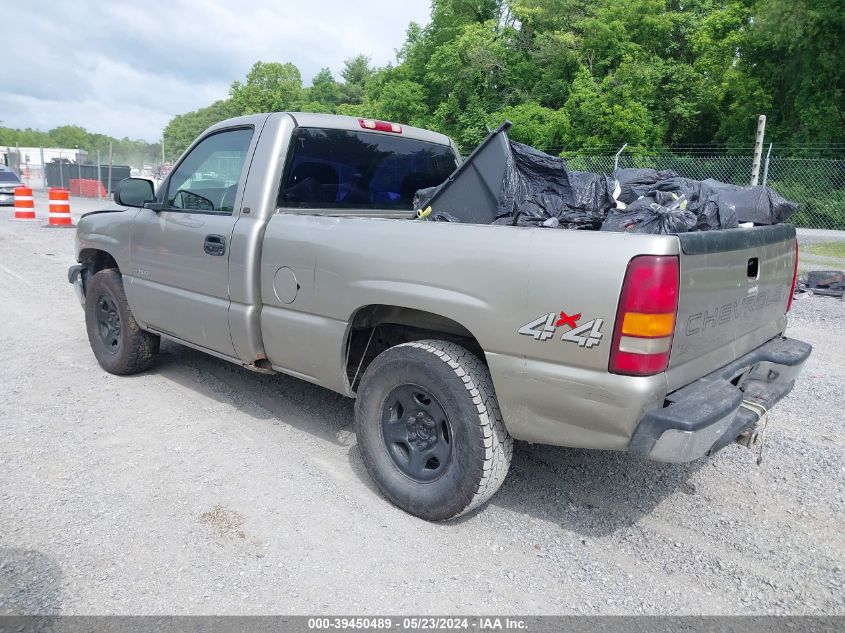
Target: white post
[766, 166]
[43, 170]
[616, 158]
[758, 150]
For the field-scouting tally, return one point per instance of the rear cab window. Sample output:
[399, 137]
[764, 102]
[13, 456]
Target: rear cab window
[343, 169]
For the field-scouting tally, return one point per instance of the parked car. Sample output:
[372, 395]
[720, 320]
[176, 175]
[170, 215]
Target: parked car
[9, 181]
[303, 256]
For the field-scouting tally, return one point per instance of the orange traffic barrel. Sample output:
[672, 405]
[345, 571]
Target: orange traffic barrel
[24, 204]
[59, 208]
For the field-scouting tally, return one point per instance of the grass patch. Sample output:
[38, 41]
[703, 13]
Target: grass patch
[828, 249]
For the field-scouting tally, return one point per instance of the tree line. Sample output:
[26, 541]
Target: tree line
[579, 76]
[585, 75]
[125, 151]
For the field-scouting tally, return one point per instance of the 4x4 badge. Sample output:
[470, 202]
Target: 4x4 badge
[543, 328]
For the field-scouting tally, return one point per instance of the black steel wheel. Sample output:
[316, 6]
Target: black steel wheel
[429, 429]
[108, 324]
[416, 433]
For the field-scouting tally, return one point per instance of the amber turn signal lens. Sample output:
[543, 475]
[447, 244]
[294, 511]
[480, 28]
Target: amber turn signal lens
[648, 325]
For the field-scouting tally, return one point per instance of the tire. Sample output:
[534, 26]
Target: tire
[119, 344]
[403, 395]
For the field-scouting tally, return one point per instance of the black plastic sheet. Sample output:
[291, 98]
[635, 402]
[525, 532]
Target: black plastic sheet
[827, 283]
[529, 176]
[422, 197]
[540, 191]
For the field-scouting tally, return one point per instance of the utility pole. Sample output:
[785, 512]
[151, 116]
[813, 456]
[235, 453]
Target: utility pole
[43, 169]
[758, 150]
[162, 149]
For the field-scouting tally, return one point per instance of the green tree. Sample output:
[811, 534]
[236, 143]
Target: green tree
[587, 73]
[325, 90]
[356, 70]
[795, 52]
[269, 87]
[184, 128]
[534, 124]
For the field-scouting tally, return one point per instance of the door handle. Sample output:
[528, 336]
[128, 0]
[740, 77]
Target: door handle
[215, 245]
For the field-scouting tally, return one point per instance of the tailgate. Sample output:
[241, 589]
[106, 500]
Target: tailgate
[734, 289]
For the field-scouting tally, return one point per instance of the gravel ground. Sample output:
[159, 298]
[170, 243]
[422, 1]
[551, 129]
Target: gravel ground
[202, 488]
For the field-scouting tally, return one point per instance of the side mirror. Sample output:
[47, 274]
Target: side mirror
[134, 192]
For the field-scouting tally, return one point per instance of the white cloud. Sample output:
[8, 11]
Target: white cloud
[125, 70]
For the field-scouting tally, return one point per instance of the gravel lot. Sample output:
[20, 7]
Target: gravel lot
[202, 488]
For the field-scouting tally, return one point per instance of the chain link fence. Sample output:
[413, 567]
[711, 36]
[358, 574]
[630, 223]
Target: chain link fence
[816, 184]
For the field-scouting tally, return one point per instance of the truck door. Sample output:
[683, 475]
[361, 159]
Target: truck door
[180, 254]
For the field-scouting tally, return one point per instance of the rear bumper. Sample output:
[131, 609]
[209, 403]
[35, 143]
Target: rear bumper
[710, 413]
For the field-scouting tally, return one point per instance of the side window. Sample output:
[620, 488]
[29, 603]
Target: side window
[208, 178]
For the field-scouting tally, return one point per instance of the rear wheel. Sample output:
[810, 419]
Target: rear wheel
[430, 431]
[119, 344]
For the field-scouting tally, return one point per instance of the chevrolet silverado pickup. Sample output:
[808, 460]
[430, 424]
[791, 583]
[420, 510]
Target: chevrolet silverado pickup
[288, 242]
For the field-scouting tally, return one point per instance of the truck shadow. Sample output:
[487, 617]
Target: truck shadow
[276, 398]
[588, 492]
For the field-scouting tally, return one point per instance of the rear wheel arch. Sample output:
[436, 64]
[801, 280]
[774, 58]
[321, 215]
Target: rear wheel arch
[374, 328]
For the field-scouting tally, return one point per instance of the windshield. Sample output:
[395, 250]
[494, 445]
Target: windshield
[8, 176]
[339, 169]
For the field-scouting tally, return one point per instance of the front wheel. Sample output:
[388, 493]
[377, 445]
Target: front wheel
[119, 344]
[430, 431]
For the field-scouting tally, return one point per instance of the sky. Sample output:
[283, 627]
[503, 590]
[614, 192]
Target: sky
[126, 68]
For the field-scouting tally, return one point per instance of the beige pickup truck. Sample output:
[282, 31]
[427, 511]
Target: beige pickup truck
[287, 242]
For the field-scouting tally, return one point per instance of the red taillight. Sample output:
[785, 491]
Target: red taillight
[794, 278]
[380, 126]
[645, 319]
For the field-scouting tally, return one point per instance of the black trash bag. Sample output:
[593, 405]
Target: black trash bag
[712, 216]
[530, 172]
[759, 204]
[659, 213]
[702, 200]
[634, 183]
[422, 196]
[593, 194]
